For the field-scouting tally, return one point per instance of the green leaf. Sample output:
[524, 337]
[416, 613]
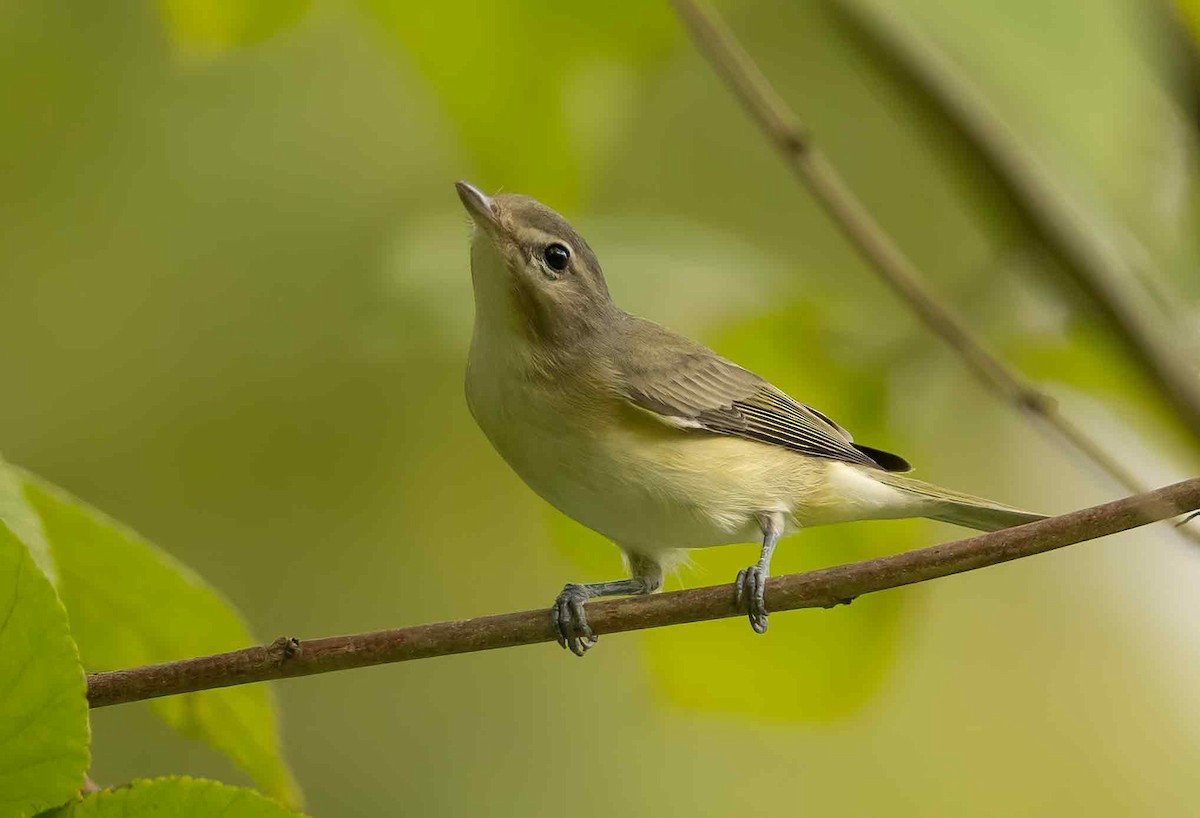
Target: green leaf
[537, 89]
[175, 797]
[209, 27]
[43, 694]
[131, 604]
[23, 521]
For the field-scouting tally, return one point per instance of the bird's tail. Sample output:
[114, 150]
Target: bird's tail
[959, 509]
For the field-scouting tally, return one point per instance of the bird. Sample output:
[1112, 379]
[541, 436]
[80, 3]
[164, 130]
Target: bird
[647, 437]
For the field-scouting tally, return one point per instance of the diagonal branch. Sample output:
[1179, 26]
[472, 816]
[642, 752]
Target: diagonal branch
[793, 142]
[1116, 289]
[825, 588]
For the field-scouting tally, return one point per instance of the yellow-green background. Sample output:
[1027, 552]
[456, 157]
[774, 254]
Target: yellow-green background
[234, 309]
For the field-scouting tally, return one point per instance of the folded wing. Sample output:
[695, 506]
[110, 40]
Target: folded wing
[693, 388]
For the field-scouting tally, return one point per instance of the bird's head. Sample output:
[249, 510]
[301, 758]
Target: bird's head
[531, 271]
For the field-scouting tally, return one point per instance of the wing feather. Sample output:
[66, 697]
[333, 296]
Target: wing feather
[698, 389]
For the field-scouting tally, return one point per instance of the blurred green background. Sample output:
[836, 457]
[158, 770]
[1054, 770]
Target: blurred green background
[235, 312]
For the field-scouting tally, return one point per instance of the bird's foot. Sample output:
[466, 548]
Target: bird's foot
[570, 619]
[749, 588]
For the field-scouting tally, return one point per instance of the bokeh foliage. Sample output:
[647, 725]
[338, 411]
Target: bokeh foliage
[236, 309]
[215, 26]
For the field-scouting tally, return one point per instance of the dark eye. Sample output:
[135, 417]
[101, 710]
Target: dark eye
[557, 257]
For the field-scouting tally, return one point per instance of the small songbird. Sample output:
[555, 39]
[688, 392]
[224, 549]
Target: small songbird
[651, 439]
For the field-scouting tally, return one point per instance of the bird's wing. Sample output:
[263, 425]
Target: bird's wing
[693, 388]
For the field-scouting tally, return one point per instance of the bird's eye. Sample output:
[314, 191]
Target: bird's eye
[557, 257]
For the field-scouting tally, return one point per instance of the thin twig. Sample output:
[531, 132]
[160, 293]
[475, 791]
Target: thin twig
[780, 125]
[1089, 256]
[825, 588]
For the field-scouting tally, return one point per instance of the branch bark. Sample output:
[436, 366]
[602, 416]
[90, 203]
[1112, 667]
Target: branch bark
[286, 658]
[1116, 289]
[793, 142]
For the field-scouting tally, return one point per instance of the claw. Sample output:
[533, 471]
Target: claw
[570, 620]
[562, 622]
[750, 588]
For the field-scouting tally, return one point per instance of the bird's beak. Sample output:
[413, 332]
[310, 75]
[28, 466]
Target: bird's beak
[477, 203]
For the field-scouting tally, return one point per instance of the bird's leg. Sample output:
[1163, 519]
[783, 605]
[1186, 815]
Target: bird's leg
[751, 582]
[569, 617]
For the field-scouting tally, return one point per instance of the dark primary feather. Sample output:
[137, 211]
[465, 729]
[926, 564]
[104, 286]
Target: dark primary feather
[676, 378]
